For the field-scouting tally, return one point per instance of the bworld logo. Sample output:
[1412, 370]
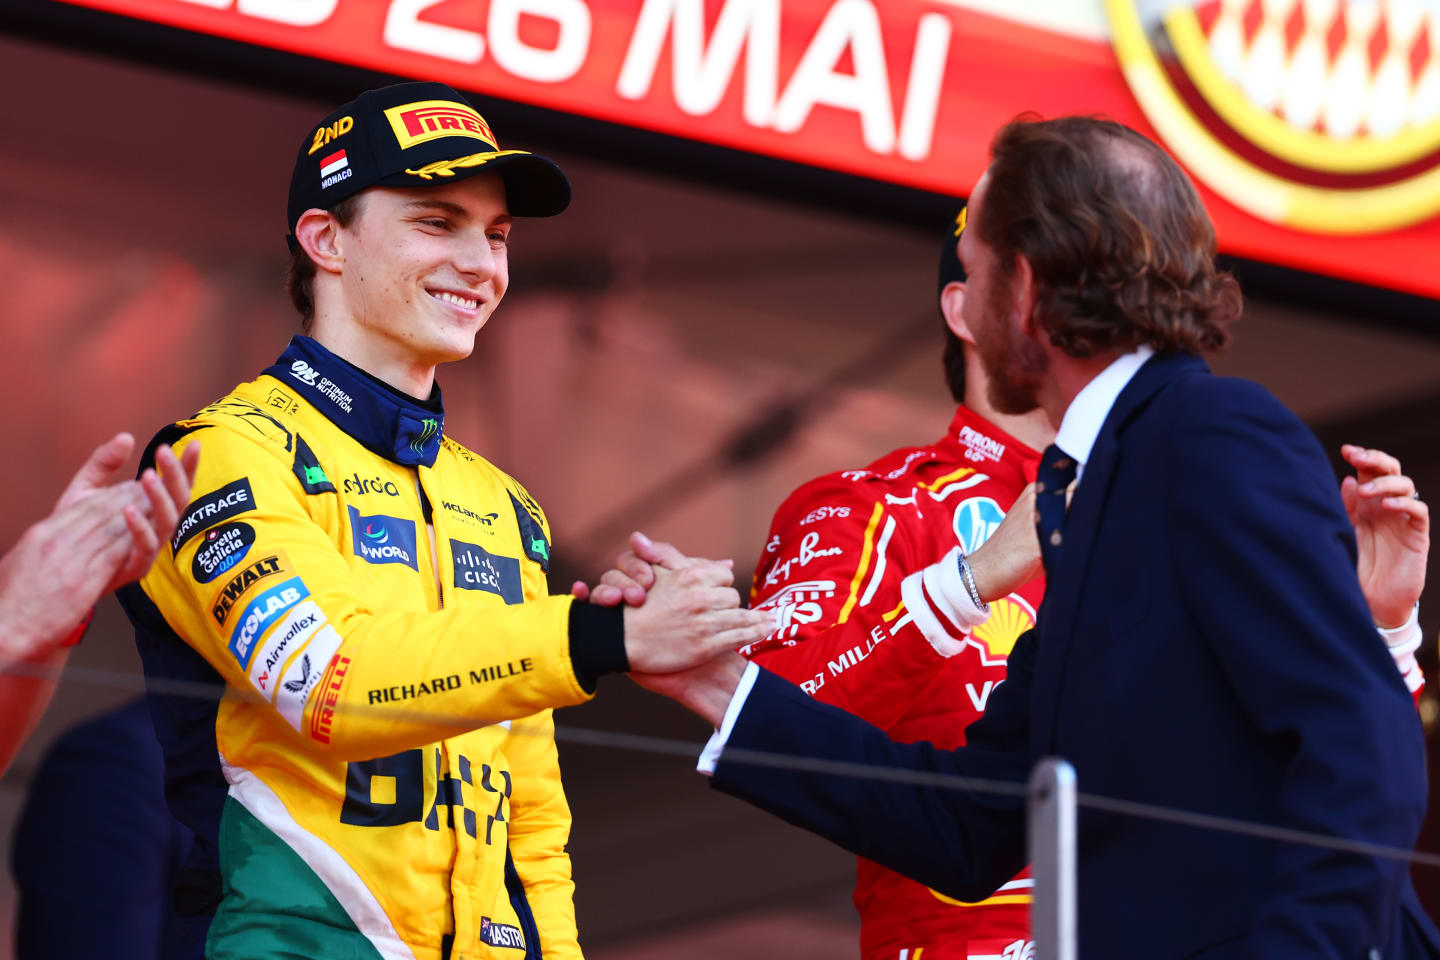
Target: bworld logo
[382, 539]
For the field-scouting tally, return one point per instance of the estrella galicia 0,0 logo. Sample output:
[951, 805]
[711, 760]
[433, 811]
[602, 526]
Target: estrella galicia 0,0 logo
[224, 547]
[263, 611]
[382, 539]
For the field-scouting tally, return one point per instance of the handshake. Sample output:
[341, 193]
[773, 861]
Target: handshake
[683, 621]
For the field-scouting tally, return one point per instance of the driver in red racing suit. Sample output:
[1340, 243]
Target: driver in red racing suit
[874, 617]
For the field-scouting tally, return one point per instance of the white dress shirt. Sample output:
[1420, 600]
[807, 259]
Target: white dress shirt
[1080, 427]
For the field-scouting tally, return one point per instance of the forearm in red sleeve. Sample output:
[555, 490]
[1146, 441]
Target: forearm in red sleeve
[860, 626]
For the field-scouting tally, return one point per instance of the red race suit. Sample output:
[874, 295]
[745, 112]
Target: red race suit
[861, 566]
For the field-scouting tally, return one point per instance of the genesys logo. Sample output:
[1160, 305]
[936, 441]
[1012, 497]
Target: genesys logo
[356, 484]
[222, 551]
[478, 569]
[382, 539]
[214, 507]
[261, 613]
[240, 584]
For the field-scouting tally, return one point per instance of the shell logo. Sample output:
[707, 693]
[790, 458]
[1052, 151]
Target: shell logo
[1316, 115]
[1009, 618]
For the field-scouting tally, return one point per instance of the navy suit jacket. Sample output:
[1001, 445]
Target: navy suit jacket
[1203, 645]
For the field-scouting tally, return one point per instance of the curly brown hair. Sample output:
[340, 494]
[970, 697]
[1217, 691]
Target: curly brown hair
[1122, 250]
[300, 282]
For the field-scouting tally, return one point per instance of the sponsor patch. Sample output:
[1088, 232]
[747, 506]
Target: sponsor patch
[303, 675]
[532, 535]
[308, 470]
[261, 613]
[223, 549]
[212, 508]
[501, 934]
[425, 120]
[976, 520]
[237, 586]
[382, 539]
[478, 569]
[289, 635]
[331, 683]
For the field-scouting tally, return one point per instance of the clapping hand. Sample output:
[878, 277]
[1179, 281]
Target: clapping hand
[100, 536]
[1392, 532]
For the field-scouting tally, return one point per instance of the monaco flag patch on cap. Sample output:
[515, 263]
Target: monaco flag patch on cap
[331, 168]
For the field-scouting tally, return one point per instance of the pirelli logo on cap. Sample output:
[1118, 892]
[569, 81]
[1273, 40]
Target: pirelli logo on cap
[425, 120]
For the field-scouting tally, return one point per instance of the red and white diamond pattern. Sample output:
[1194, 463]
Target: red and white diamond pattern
[1346, 68]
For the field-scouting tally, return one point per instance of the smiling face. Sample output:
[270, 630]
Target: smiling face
[424, 268]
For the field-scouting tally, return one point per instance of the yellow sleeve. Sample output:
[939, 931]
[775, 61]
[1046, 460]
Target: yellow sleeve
[539, 831]
[297, 633]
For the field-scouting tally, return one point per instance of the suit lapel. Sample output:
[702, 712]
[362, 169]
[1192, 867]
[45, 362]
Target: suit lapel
[1064, 589]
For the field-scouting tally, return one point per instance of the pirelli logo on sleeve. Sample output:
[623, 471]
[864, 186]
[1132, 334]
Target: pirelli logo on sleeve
[425, 120]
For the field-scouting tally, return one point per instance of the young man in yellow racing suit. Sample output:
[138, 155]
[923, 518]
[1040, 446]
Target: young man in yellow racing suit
[373, 594]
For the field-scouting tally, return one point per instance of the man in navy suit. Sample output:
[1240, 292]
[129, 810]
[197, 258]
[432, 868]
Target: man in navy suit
[1203, 643]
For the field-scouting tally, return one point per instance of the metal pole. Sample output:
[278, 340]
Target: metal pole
[1051, 839]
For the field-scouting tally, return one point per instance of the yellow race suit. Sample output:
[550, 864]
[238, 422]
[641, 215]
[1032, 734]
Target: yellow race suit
[373, 596]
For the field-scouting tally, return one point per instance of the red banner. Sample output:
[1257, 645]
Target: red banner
[910, 91]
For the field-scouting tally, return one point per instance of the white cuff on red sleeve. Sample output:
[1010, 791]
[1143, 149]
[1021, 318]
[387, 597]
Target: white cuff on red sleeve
[1403, 641]
[938, 602]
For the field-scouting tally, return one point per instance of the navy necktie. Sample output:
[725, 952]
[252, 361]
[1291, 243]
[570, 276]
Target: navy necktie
[1057, 471]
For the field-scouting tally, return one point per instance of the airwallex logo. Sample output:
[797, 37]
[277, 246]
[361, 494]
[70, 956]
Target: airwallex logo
[382, 539]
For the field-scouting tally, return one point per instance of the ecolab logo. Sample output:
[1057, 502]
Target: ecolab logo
[261, 612]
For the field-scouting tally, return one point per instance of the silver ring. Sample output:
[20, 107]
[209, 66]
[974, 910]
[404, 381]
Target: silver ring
[1415, 495]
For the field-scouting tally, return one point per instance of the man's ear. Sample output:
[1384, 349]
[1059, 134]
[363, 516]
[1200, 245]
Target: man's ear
[318, 233]
[1024, 295]
[952, 300]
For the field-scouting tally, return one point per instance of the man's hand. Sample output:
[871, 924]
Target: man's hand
[704, 690]
[97, 538]
[1011, 557]
[690, 613]
[1392, 531]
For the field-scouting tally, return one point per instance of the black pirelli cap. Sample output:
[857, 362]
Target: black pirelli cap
[415, 135]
